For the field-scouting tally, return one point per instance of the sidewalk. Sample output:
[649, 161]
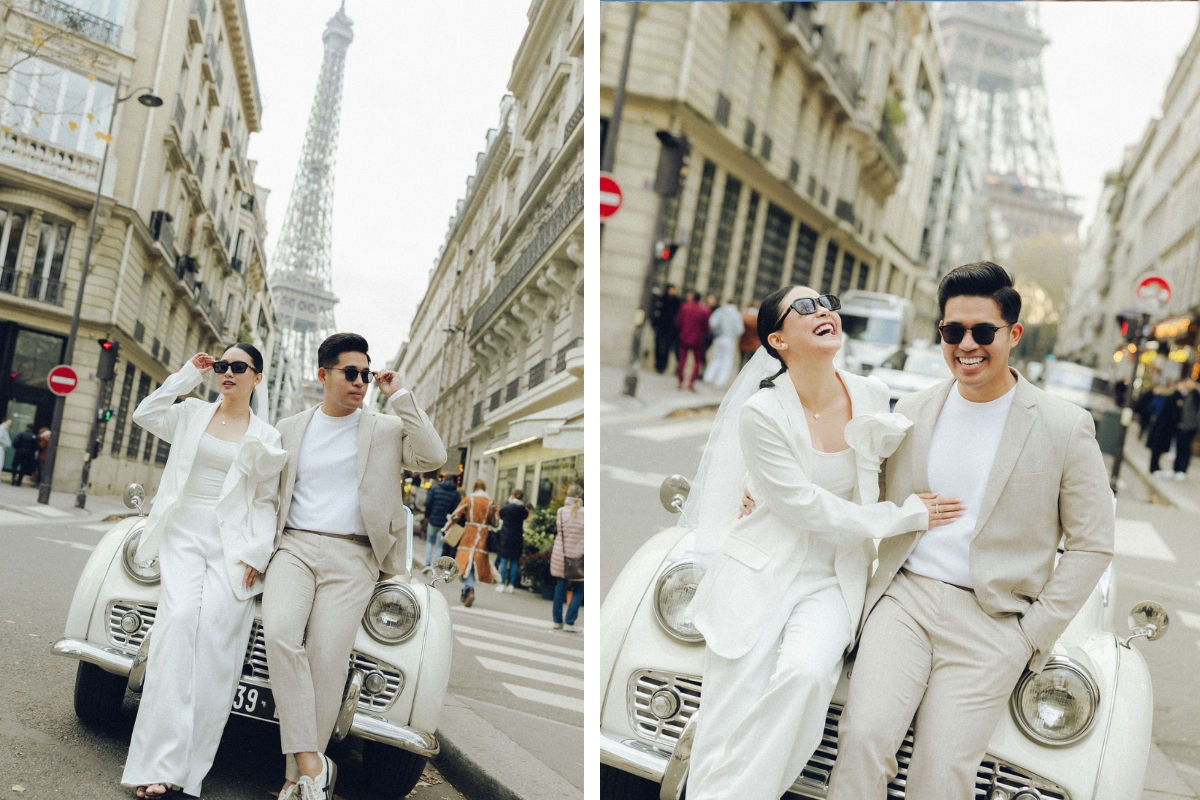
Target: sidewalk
[1183, 494]
[23, 500]
[657, 395]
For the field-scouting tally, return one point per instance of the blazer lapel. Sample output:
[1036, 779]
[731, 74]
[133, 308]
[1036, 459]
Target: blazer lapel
[366, 425]
[292, 438]
[1012, 441]
[801, 443]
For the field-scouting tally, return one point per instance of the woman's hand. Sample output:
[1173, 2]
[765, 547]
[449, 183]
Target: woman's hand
[748, 506]
[252, 575]
[203, 362]
[942, 510]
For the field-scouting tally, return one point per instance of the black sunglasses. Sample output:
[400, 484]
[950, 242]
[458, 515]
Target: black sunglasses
[238, 367]
[983, 333]
[352, 373]
[808, 305]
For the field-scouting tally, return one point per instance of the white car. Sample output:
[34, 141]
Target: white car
[1079, 730]
[911, 370]
[400, 664]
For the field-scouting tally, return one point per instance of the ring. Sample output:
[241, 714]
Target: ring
[937, 508]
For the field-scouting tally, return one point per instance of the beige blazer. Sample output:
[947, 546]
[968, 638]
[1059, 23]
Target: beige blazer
[387, 446]
[1047, 485]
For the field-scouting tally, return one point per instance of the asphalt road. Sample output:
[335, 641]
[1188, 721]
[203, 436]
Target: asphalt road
[44, 749]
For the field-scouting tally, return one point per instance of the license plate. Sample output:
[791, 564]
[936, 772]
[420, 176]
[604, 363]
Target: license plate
[254, 701]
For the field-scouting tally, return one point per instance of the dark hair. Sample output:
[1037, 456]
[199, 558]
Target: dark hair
[769, 314]
[519, 494]
[338, 343]
[256, 358]
[981, 279]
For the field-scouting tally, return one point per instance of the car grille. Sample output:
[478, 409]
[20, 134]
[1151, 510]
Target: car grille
[255, 664]
[664, 734]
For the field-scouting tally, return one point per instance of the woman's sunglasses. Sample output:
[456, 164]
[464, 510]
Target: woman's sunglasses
[237, 367]
[983, 333]
[352, 373]
[808, 305]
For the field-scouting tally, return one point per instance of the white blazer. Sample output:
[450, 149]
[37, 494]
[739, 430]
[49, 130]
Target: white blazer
[246, 508]
[763, 553]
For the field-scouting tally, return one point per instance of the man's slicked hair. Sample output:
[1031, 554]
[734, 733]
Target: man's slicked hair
[338, 343]
[981, 279]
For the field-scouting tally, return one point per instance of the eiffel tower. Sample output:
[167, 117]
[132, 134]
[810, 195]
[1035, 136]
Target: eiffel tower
[301, 278]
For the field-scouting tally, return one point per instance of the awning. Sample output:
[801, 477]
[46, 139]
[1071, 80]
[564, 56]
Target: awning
[559, 427]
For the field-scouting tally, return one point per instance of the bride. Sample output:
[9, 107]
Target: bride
[784, 586]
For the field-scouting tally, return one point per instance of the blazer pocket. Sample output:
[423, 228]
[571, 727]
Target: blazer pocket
[745, 552]
[1031, 477]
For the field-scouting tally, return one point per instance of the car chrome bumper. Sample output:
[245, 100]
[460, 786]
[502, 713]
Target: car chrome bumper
[633, 757]
[367, 725]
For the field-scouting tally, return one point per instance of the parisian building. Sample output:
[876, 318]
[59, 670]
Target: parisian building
[177, 264]
[495, 351]
[818, 153]
[1146, 222]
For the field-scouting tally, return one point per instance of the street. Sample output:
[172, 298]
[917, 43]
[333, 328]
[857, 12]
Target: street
[1156, 554]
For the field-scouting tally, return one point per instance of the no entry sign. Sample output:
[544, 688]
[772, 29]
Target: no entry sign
[1153, 292]
[610, 195]
[62, 380]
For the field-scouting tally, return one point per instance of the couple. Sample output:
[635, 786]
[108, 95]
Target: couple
[991, 475]
[309, 514]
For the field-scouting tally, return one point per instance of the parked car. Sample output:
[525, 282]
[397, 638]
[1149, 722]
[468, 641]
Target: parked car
[912, 369]
[875, 325]
[1080, 729]
[399, 668]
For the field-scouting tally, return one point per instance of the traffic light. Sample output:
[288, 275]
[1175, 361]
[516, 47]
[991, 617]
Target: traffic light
[104, 414]
[672, 163]
[664, 251]
[1128, 326]
[107, 368]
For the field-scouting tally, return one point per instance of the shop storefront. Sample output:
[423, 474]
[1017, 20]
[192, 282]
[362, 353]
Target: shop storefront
[541, 455]
[26, 357]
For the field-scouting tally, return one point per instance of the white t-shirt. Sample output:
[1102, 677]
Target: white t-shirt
[325, 497]
[961, 452]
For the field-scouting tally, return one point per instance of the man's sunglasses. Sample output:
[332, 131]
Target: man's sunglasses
[808, 305]
[352, 373]
[983, 333]
[237, 367]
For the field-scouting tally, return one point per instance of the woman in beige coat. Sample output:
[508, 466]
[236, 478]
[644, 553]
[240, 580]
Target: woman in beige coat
[568, 544]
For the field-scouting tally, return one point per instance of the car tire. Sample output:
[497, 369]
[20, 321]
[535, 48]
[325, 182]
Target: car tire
[98, 695]
[394, 772]
[618, 785]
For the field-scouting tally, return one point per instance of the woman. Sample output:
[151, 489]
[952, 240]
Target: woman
[568, 544]
[784, 586]
[212, 530]
[510, 544]
[477, 514]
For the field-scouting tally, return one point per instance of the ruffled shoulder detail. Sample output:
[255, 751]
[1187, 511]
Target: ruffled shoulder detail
[876, 436]
[258, 460]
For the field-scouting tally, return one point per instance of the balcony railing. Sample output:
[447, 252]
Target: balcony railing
[537, 178]
[32, 287]
[573, 121]
[185, 267]
[192, 149]
[29, 154]
[179, 115]
[218, 73]
[887, 136]
[200, 167]
[68, 17]
[162, 230]
[842, 74]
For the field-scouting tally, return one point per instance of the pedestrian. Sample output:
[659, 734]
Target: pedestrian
[566, 559]
[727, 328]
[43, 445]
[24, 454]
[510, 540]
[1120, 390]
[224, 466]
[710, 302]
[1185, 430]
[5, 441]
[666, 339]
[442, 498]
[477, 514]
[1162, 431]
[691, 323]
[749, 344]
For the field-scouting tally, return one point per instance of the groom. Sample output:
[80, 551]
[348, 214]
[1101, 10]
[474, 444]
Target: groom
[341, 523]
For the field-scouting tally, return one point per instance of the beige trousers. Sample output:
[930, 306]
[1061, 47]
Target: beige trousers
[319, 586]
[927, 650]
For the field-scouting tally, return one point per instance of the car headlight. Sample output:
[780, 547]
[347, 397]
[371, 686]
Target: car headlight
[393, 614]
[148, 573]
[672, 594]
[1058, 706]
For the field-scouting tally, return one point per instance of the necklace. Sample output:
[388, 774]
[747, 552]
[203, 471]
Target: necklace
[817, 414]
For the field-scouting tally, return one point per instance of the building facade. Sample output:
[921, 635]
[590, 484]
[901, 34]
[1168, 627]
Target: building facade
[177, 263]
[495, 351]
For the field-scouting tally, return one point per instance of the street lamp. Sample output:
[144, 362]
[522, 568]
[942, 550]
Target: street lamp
[147, 98]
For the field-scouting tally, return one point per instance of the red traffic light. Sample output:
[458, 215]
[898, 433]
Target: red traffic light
[666, 250]
[105, 344]
[1124, 327]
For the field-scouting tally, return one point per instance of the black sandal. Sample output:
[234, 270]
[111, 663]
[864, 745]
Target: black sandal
[169, 790]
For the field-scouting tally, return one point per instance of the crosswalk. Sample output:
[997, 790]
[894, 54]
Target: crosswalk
[534, 661]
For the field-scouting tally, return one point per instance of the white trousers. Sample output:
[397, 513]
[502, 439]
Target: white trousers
[720, 363]
[762, 715]
[196, 654]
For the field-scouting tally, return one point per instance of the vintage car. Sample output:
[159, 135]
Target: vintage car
[399, 667]
[1079, 730]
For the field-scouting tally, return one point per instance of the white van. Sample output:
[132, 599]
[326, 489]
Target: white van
[874, 326]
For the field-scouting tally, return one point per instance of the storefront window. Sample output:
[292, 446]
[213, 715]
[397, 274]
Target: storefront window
[36, 354]
[506, 481]
[557, 475]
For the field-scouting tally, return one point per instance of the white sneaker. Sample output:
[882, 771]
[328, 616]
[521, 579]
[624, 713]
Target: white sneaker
[1181, 476]
[558, 626]
[425, 570]
[289, 793]
[306, 789]
[500, 587]
[509, 588]
[573, 628]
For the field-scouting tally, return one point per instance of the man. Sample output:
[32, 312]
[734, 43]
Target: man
[692, 324]
[25, 447]
[1185, 429]
[341, 523]
[441, 500]
[666, 306]
[954, 615]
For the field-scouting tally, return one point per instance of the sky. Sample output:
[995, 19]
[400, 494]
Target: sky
[423, 85]
[1106, 72]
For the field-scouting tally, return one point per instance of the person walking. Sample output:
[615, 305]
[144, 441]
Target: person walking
[211, 529]
[1185, 430]
[692, 325]
[43, 444]
[510, 540]
[1162, 431]
[5, 440]
[477, 514]
[727, 328]
[25, 447]
[442, 498]
[666, 338]
[749, 343]
[566, 559]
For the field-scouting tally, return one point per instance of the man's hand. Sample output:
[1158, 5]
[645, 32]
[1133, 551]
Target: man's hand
[748, 505]
[389, 382]
[203, 362]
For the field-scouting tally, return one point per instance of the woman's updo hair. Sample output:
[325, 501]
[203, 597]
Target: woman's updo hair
[256, 358]
[769, 314]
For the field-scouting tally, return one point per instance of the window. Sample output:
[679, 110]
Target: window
[847, 274]
[802, 259]
[58, 105]
[135, 430]
[123, 409]
[831, 258]
[774, 249]
[13, 223]
[724, 243]
[699, 224]
[747, 243]
[36, 354]
[556, 476]
[111, 10]
[46, 281]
